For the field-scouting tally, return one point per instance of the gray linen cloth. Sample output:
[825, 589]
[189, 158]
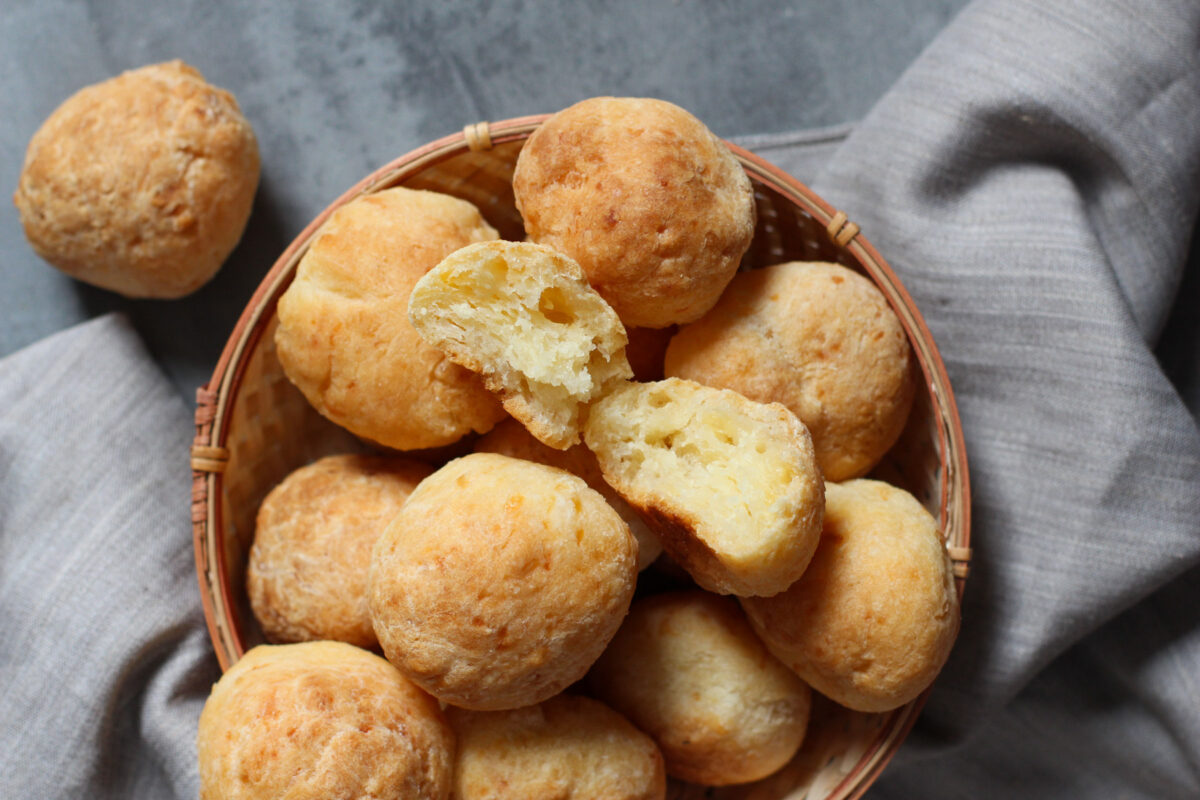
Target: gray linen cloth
[104, 656]
[1034, 179]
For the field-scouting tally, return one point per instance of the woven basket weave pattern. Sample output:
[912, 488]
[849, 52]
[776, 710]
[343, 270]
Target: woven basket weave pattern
[257, 428]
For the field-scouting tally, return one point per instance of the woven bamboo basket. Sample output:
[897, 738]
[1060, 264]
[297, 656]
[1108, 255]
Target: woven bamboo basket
[253, 427]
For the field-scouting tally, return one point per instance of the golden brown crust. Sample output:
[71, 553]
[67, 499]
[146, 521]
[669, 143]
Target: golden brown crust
[510, 438]
[568, 746]
[677, 531]
[652, 205]
[687, 669]
[344, 338]
[872, 620]
[142, 183]
[307, 571]
[318, 720]
[500, 582]
[731, 486]
[818, 338]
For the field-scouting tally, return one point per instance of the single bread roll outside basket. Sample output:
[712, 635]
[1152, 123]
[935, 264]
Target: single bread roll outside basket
[253, 427]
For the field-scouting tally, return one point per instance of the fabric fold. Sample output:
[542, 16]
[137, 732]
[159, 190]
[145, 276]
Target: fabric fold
[1034, 180]
[103, 649]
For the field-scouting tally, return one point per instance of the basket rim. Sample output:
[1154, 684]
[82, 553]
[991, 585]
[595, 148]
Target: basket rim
[955, 517]
[215, 398]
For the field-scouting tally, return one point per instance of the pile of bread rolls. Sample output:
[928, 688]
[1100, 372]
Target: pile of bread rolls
[662, 541]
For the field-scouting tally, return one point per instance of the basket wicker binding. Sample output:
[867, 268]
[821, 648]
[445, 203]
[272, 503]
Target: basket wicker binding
[253, 427]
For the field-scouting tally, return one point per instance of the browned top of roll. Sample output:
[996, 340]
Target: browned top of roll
[652, 205]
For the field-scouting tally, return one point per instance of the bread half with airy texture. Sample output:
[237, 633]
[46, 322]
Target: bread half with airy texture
[524, 317]
[731, 486]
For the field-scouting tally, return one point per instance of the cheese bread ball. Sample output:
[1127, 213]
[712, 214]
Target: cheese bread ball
[307, 571]
[524, 317]
[318, 720]
[653, 206]
[510, 438]
[818, 338]
[141, 184]
[871, 622]
[344, 338]
[687, 668]
[565, 747]
[731, 486]
[500, 582]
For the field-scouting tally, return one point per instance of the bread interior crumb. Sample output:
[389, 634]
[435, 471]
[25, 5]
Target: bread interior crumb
[721, 465]
[524, 317]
